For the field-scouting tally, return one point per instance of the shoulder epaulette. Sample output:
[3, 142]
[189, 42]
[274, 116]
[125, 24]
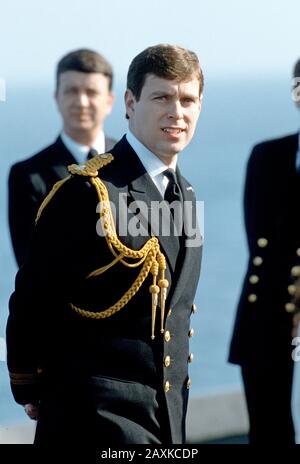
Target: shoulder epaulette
[89, 169]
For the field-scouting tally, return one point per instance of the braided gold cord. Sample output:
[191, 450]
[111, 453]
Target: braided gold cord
[50, 195]
[125, 298]
[138, 263]
[101, 270]
[149, 255]
[91, 167]
[111, 235]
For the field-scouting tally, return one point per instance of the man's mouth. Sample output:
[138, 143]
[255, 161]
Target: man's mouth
[173, 130]
[81, 115]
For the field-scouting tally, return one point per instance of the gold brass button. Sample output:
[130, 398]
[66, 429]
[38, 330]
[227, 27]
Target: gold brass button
[167, 386]
[292, 289]
[190, 358]
[188, 383]
[194, 308]
[253, 279]
[257, 261]
[252, 298]
[295, 271]
[167, 361]
[290, 307]
[191, 333]
[169, 312]
[167, 336]
[262, 242]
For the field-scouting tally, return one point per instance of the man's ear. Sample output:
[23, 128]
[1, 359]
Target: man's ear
[200, 102]
[55, 96]
[129, 102]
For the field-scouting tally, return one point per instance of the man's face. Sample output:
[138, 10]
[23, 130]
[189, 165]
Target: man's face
[164, 119]
[84, 101]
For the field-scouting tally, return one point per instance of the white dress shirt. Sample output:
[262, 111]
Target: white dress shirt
[153, 165]
[79, 151]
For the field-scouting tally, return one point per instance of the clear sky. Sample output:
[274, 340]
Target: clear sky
[231, 37]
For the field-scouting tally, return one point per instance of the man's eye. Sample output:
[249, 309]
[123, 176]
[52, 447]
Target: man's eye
[161, 97]
[91, 93]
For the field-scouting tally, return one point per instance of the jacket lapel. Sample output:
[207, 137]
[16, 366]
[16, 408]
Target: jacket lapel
[141, 188]
[127, 175]
[144, 190]
[61, 159]
[192, 254]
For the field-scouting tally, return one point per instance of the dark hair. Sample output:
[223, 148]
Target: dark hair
[296, 71]
[87, 61]
[166, 61]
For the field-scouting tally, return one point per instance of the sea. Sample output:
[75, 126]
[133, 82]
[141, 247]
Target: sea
[237, 113]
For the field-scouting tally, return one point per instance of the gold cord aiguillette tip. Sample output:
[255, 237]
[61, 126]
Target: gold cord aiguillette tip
[154, 290]
[163, 284]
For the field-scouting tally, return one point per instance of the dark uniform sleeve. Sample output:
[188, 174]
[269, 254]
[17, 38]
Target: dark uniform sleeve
[23, 203]
[44, 283]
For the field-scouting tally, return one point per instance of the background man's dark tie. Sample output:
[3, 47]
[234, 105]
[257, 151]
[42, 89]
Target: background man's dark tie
[91, 153]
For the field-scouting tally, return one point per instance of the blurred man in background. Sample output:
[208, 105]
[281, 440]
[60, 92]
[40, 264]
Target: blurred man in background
[262, 337]
[84, 99]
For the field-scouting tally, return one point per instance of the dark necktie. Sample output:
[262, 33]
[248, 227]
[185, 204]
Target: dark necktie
[91, 154]
[173, 192]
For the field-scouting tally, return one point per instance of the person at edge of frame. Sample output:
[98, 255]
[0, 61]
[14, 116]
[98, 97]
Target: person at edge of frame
[262, 337]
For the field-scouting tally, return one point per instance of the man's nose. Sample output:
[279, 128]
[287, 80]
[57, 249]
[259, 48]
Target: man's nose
[82, 99]
[175, 110]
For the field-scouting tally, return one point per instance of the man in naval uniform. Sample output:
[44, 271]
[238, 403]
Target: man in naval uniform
[99, 325]
[84, 98]
[262, 338]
